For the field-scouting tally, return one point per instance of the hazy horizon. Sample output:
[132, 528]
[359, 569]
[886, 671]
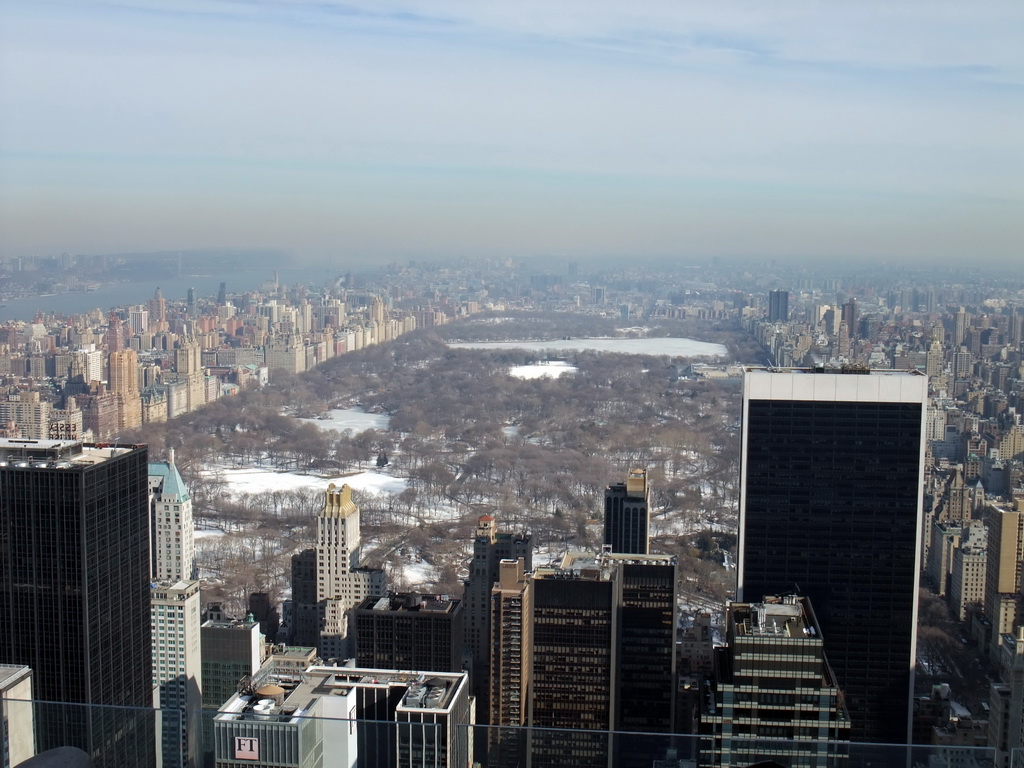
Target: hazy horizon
[408, 129]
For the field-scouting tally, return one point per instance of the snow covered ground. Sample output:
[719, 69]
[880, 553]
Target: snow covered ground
[242, 480]
[351, 419]
[551, 369]
[206, 533]
[674, 347]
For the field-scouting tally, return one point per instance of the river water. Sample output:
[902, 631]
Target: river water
[125, 294]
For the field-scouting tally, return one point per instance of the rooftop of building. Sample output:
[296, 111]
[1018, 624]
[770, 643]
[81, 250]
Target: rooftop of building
[411, 602]
[243, 624]
[177, 590]
[786, 616]
[286, 696]
[293, 653]
[848, 370]
[11, 674]
[597, 566]
[57, 454]
[168, 480]
[852, 384]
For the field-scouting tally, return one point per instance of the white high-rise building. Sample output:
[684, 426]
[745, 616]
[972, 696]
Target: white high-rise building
[175, 612]
[138, 319]
[177, 670]
[341, 583]
[173, 548]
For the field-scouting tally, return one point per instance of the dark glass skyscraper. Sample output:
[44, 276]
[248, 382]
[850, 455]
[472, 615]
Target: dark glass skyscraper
[778, 306]
[627, 516]
[74, 592]
[409, 631]
[489, 548]
[831, 508]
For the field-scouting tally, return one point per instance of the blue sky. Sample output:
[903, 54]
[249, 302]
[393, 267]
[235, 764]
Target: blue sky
[403, 129]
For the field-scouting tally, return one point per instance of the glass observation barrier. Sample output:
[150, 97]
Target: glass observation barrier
[124, 737]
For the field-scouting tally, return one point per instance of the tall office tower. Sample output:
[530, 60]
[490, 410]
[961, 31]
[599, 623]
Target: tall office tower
[489, 548]
[573, 660]
[1004, 566]
[646, 637]
[409, 631]
[138, 320]
[173, 529]
[962, 363]
[849, 316]
[627, 517]
[302, 617]
[124, 385]
[341, 583]
[177, 672]
[123, 376]
[831, 506]
[74, 592]
[934, 359]
[945, 539]
[774, 696]
[970, 560]
[511, 641]
[1015, 328]
[115, 338]
[158, 312]
[231, 650]
[603, 659]
[377, 313]
[222, 295]
[961, 322]
[778, 306]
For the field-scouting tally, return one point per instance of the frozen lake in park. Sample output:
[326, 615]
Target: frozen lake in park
[673, 347]
[355, 420]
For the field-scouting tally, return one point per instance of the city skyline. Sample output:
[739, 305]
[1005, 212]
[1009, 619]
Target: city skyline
[416, 130]
[855, 461]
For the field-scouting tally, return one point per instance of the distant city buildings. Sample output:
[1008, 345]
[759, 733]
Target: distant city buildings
[821, 464]
[97, 376]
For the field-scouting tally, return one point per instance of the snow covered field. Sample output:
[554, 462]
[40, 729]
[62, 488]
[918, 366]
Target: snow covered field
[674, 347]
[551, 369]
[243, 480]
[351, 419]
